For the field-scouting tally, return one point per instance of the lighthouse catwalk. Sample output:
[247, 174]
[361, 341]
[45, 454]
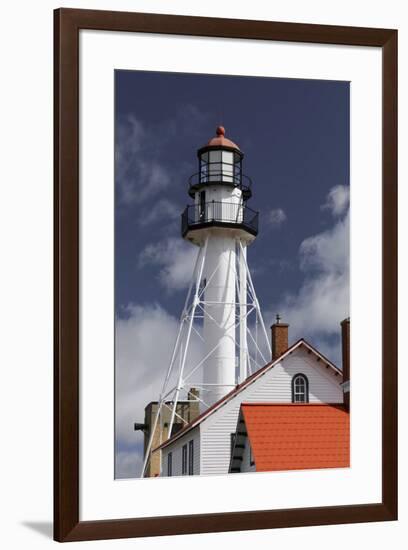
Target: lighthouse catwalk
[221, 410]
[221, 299]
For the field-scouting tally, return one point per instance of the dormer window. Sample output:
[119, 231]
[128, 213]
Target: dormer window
[300, 389]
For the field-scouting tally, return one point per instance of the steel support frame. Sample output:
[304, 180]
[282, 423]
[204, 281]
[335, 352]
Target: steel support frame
[247, 302]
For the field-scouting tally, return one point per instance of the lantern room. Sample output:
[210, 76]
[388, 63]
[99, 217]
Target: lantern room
[220, 162]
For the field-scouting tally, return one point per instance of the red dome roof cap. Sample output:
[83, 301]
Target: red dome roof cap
[220, 140]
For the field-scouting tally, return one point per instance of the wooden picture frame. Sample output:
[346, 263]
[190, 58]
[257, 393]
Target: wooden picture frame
[68, 23]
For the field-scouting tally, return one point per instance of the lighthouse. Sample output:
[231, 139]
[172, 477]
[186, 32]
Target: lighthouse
[221, 306]
[220, 222]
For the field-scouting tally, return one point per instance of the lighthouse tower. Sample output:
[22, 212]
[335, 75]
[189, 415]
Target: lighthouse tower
[220, 222]
[221, 301]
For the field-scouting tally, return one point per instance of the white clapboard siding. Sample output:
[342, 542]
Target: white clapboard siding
[273, 387]
[176, 450]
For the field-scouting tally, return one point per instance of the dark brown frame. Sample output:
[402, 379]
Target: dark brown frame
[67, 23]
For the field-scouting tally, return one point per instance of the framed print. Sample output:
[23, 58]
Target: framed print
[225, 275]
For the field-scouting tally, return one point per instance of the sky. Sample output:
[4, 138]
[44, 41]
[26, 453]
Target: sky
[295, 138]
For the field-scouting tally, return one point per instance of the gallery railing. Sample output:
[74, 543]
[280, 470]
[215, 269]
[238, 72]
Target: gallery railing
[219, 213]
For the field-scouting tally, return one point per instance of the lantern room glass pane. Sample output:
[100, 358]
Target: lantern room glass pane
[204, 167]
[228, 157]
[215, 156]
[214, 168]
[237, 168]
[228, 165]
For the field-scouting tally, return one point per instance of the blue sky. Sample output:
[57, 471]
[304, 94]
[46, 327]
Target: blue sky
[295, 137]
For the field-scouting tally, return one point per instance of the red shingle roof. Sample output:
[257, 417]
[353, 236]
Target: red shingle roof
[297, 436]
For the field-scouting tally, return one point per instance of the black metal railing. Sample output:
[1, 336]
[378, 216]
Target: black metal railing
[222, 177]
[196, 216]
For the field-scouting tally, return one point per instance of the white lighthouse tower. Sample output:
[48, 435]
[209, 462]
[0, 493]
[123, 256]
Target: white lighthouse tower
[219, 221]
[221, 307]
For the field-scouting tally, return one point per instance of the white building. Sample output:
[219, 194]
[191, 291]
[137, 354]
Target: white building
[299, 375]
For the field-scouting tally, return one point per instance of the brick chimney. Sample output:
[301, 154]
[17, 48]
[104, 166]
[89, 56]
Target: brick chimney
[280, 333]
[345, 348]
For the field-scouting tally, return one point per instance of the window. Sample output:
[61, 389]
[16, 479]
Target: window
[170, 464]
[300, 389]
[204, 167]
[190, 457]
[251, 457]
[237, 168]
[184, 460]
[232, 441]
[202, 205]
[215, 165]
[227, 166]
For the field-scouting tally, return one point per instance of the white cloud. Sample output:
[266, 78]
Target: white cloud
[176, 259]
[276, 217]
[327, 252]
[137, 176]
[322, 301]
[140, 171]
[337, 200]
[160, 211]
[141, 363]
[144, 343]
[129, 463]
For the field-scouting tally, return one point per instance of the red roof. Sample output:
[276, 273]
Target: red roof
[220, 140]
[297, 436]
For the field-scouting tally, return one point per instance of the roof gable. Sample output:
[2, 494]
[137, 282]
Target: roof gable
[247, 382]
